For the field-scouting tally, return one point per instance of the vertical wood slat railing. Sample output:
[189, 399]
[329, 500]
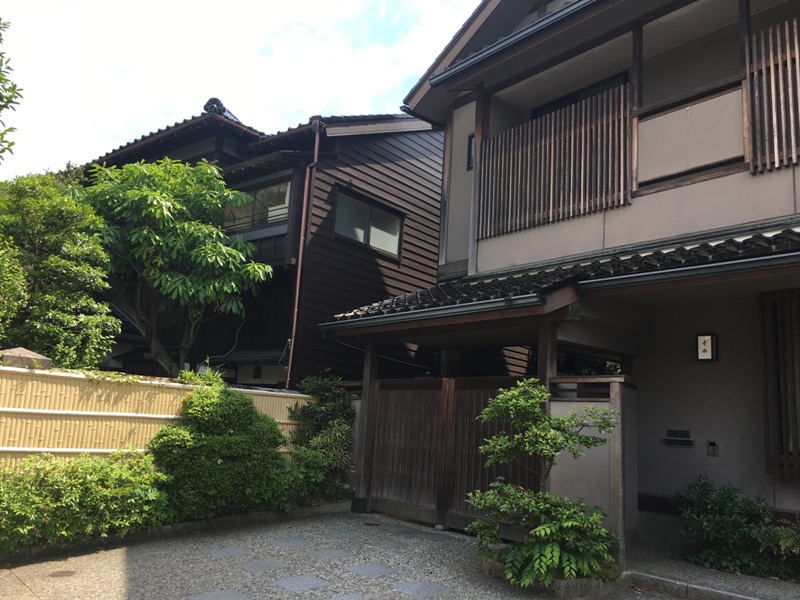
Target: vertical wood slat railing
[567, 163]
[782, 340]
[773, 81]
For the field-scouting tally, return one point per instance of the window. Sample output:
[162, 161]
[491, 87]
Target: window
[471, 152]
[267, 205]
[367, 224]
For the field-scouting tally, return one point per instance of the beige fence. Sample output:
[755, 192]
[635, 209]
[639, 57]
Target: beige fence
[66, 414]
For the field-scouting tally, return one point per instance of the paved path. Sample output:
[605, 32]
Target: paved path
[342, 556]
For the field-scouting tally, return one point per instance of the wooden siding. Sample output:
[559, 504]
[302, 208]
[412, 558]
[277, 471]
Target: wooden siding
[773, 85]
[67, 413]
[571, 162]
[402, 172]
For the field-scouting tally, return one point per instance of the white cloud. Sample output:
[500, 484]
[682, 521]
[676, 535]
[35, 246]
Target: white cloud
[98, 74]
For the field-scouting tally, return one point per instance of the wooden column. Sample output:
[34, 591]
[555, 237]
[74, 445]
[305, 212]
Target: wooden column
[364, 431]
[481, 133]
[616, 475]
[444, 452]
[548, 339]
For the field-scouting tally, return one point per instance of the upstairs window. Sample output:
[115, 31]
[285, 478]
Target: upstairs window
[367, 224]
[267, 204]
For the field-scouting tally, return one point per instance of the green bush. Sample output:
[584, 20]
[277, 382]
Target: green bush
[52, 502]
[565, 538]
[323, 439]
[331, 402]
[222, 457]
[734, 533]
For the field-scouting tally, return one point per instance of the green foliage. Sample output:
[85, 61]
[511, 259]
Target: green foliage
[171, 263]
[536, 433]
[565, 538]
[55, 239]
[222, 457]
[47, 502]
[9, 96]
[323, 438]
[331, 402]
[734, 533]
[208, 376]
[13, 294]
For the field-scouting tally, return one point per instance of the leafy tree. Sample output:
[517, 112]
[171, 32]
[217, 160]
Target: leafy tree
[9, 96]
[12, 285]
[171, 263]
[53, 272]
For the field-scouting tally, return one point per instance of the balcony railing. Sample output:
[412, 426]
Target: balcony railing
[570, 162]
[774, 94]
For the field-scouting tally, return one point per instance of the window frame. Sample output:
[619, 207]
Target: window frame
[372, 205]
[252, 191]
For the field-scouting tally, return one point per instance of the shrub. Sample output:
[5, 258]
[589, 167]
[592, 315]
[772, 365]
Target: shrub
[734, 533]
[331, 402]
[46, 502]
[324, 438]
[222, 457]
[565, 538]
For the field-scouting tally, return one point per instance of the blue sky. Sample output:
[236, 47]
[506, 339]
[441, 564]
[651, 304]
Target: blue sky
[97, 74]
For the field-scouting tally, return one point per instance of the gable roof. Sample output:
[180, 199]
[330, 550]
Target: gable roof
[759, 250]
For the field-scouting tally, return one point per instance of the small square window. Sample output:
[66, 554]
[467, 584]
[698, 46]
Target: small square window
[367, 224]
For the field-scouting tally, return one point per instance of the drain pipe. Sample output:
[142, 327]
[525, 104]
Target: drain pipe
[316, 127]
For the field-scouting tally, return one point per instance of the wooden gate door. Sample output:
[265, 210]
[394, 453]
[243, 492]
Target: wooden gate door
[425, 439]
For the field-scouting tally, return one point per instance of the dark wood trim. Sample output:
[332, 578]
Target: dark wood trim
[697, 175]
[716, 88]
[444, 451]
[462, 101]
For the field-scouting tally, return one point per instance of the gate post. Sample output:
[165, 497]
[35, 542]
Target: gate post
[444, 451]
[363, 434]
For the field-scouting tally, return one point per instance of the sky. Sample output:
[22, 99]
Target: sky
[97, 74]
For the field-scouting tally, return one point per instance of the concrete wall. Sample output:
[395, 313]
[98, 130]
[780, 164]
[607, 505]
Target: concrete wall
[718, 401]
[459, 200]
[701, 207]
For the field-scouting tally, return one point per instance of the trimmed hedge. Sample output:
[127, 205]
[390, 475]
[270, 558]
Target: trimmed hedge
[222, 457]
[53, 502]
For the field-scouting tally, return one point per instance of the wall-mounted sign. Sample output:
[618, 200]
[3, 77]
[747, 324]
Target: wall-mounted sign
[707, 346]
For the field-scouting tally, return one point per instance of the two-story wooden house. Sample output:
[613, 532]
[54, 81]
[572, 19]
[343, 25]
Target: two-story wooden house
[345, 210]
[621, 186]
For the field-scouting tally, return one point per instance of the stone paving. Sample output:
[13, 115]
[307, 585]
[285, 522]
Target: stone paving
[342, 556]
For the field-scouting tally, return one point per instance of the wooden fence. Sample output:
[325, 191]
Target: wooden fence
[66, 414]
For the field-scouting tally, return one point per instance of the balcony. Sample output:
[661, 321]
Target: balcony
[572, 161]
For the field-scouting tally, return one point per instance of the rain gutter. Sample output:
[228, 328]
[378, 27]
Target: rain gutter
[316, 127]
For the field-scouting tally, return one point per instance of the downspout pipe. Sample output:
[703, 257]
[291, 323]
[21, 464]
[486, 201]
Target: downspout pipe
[316, 126]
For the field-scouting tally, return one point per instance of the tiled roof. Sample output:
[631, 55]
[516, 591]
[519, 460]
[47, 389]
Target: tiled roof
[174, 128]
[467, 291]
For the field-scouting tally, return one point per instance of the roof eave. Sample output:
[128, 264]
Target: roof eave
[504, 44]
